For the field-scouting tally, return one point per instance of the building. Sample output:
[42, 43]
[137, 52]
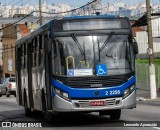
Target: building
[8, 53]
[10, 34]
[142, 38]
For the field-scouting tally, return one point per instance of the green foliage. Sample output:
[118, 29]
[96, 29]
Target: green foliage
[146, 61]
[142, 70]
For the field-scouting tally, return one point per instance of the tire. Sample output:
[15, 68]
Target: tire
[115, 114]
[14, 95]
[27, 110]
[7, 95]
[0, 95]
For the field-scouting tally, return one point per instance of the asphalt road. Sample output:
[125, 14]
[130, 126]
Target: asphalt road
[10, 111]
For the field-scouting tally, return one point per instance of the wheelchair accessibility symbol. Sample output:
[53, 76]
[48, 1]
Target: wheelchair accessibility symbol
[101, 69]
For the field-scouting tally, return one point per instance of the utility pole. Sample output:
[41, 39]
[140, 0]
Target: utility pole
[152, 75]
[40, 13]
[108, 6]
[5, 9]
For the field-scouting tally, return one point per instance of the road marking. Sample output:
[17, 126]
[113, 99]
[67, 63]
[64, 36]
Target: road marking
[158, 128]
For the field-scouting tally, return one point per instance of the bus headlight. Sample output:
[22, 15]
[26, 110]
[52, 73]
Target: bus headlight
[128, 91]
[57, 91]
[62, 94]
[65, 95]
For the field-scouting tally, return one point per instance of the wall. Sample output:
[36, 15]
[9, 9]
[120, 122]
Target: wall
[142, 40]
[8, 39]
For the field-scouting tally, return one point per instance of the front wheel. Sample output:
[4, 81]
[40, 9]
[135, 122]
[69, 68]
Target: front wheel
[115, 114]
[7, 93]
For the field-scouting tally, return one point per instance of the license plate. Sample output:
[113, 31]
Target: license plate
[97, 103]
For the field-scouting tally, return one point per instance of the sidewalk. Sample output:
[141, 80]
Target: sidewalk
[143, 97]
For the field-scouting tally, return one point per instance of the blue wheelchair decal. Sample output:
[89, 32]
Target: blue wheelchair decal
[70, 72]
[101, 69]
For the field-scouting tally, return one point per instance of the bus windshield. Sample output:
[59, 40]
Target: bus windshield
[79, 55]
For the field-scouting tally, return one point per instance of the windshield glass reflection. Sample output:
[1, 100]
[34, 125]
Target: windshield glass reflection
[81, 54]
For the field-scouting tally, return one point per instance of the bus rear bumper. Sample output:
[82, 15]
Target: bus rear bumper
[62, 105]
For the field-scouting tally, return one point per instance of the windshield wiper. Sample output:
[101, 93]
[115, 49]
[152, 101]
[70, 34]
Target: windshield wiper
[99, 53]
[79, 47]
[106, 41]
[77, 43]
[103, 46]
[84, 49]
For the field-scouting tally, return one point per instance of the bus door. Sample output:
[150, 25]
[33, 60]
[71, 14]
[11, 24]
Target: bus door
[47, 44]
[18, 75]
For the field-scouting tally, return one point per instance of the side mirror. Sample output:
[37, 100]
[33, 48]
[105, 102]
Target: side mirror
[135, 45]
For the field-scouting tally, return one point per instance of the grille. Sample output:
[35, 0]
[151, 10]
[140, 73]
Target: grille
[94, 82]
[108, 103]
[86, 83]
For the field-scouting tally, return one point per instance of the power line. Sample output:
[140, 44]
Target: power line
[17, 2]
[54, 13]
[18, 31]
[72, 10]
[12, 5]
[10, 2]
[17, 21]
[11, 25]
[51, 13]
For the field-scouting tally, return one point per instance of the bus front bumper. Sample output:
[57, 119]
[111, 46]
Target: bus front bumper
[62, 105]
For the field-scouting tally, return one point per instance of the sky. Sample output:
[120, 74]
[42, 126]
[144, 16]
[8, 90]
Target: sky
[75, 3]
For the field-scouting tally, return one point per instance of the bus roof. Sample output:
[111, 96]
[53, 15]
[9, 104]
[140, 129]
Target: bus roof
[92, 16]
[49, 24]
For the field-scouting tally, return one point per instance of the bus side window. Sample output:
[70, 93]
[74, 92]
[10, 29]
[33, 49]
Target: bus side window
[34, 46]
[25, 55]
[22, 57]
[33, 57]
[34, 52]
[20, 53]
[37, 51]
[41, 43]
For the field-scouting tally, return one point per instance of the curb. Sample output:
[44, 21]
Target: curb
[141, 99]
[147, 101]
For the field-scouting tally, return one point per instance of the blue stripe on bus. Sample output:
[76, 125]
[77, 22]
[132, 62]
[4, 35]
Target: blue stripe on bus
[90, 92]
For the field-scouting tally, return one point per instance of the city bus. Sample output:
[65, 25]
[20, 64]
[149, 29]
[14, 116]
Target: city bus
[77, 64]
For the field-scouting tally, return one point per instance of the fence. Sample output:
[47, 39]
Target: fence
[142, 76]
